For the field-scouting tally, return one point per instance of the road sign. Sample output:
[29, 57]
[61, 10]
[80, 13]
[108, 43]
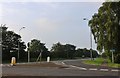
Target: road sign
[112, 50]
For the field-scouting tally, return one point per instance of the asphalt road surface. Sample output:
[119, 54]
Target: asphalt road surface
[78, 63]
[72, 68]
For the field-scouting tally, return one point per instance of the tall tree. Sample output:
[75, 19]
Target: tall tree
[35, 47]
[70, 50]
[105, 26]
[63, 51]
[79, 53]
[10, 44]
[58, 50]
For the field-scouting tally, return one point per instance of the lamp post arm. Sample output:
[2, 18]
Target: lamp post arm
[19, 43]
[91, 54]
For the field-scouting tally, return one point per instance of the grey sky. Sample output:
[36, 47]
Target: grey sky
[51, 22]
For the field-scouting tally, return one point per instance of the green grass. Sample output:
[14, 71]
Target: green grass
[100, 61]
[114, 65]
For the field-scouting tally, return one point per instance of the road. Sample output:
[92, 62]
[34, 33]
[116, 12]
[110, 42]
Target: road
[72, 68]
[78, 63]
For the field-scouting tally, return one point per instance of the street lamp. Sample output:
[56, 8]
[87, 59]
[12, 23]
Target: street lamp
[19, 43]
[90, 40]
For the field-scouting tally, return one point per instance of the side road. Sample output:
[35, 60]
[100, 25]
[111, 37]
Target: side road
[67, 63]
[80, 65]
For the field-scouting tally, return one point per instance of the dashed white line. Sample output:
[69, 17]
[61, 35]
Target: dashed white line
[63, 63]
[93, 69]
[103, 69]
[115, 70]
[72, 66]
[81, 68]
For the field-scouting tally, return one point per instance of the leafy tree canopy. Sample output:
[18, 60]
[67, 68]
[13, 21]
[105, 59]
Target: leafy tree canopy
[63, 51]
[10, 42]
[35, 47]
[105, 26]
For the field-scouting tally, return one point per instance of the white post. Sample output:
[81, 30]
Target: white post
[112, 57]
[13, 61]
[48, 59]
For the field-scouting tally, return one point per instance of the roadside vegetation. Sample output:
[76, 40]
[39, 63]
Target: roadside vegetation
[102, 62]
[105, 27]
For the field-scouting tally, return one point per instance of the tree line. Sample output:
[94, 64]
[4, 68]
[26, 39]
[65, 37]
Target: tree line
[10, 48]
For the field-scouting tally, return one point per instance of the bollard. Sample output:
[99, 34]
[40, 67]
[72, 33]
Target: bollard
[48, 59]
[13, 61]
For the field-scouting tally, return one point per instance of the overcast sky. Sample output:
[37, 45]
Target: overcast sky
[51, 22]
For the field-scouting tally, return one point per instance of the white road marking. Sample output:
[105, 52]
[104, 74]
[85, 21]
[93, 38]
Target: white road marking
[63, 63]
[115, 70]
[93, 69]
[81, 68]
[103, 69]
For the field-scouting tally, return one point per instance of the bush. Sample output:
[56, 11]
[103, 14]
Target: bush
[117, 58]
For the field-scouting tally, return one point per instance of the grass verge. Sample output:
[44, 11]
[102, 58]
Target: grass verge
[101, 61]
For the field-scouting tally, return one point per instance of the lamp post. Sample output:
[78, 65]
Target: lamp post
[90, 40]
[19, 43]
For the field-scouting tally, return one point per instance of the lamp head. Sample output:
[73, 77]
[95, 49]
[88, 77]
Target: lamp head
[23, 27]
[85, 19]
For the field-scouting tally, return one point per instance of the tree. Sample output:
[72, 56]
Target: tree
[10, 44]
[58, 50]
[95, 54]
[63, 51]
[79, 53]
[35, 47]
[85, 53]
[105, 26]
[69, 50]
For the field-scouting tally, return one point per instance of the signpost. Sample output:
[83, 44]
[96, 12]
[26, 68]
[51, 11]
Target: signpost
[112, 55]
